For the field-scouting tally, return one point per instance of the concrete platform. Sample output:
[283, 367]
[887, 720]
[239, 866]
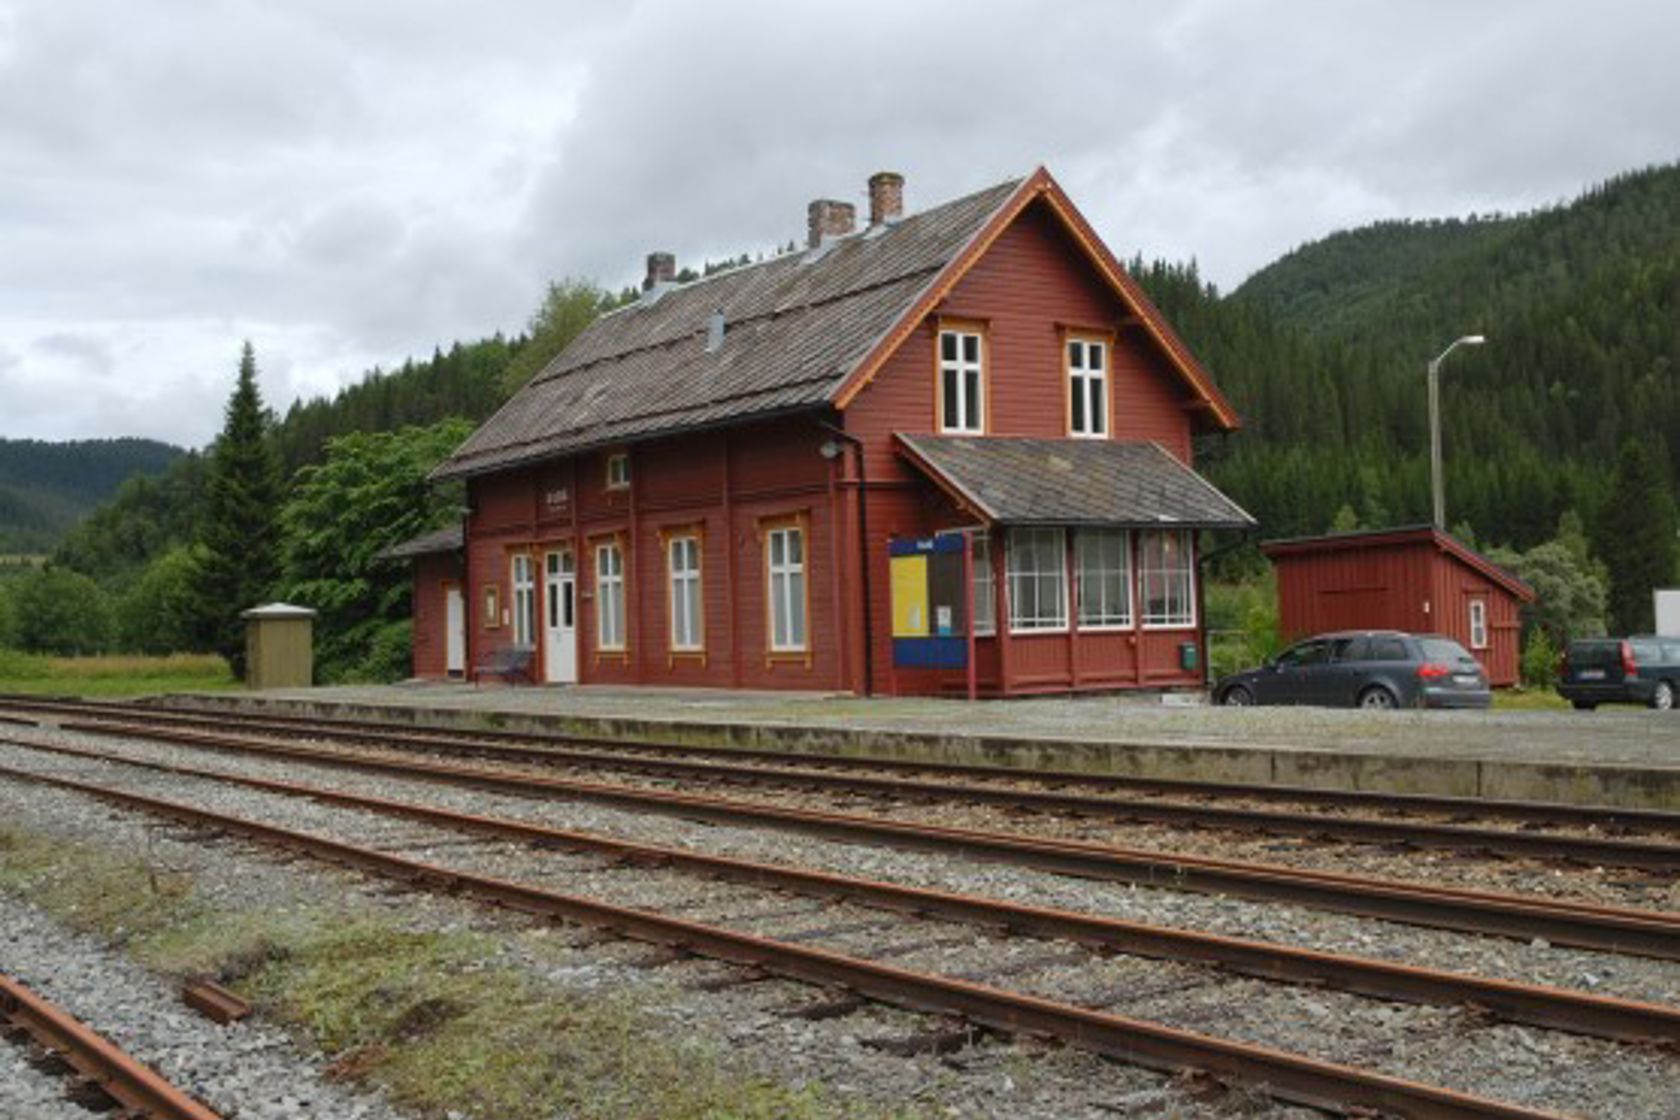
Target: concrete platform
[1625, 757]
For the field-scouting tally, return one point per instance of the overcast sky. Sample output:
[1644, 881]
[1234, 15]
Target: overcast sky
[349, 182]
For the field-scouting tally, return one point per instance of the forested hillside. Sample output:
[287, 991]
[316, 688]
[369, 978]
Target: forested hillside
[1324, 351]
[47, 487]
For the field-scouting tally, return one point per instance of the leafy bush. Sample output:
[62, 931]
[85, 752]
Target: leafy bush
[159, 613]
[55, 610]
[1539, 665]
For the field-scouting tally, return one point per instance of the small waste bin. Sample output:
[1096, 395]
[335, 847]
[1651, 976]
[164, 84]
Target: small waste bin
[279, 646]
[1189, 656]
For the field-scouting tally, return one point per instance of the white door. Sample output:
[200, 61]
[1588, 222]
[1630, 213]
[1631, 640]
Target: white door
[560, 617]
[455, 630]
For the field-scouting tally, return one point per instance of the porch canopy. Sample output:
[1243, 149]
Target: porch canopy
[448, 539]
[1111, 483]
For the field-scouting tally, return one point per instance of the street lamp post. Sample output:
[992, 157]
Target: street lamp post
[1435, 424]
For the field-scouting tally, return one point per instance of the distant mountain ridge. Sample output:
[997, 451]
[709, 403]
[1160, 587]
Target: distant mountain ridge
[46, 487]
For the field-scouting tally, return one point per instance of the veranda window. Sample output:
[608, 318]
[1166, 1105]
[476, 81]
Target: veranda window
[1167, 575]
[985, 587]
[1102, 560]
[1037, 564]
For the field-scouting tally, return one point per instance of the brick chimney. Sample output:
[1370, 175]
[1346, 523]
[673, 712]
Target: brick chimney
[886, 197]
[827, 219]
[661, 269]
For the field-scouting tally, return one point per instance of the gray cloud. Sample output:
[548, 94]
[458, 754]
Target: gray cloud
[350, 184]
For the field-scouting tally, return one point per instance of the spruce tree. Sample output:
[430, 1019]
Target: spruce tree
[239, 560]
[1636, 539]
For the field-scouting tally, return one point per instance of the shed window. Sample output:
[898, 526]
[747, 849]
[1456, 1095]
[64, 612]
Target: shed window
[609, 596]
[1167, 572]
[1478, 624]
[962, 386]
[683, 557]
[1037, 563]
[785, 564]
[1087, 363]
[985, 587]
[524, 600]
[1102, 560]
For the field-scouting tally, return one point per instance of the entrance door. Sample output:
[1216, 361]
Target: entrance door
[560, 617]
[455, 630]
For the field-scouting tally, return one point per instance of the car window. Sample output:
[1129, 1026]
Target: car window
[1646, 652]
[1315, 652]
[1388, 649]
[1350, 649]
[1443, 649]
[1671, 652]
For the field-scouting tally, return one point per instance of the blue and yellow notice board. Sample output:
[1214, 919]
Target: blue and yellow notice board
[929, 602]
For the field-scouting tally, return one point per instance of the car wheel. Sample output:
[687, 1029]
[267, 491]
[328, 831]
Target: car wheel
[1378, 698]
[1662, 697]
[1583, 705]
[1237, 697]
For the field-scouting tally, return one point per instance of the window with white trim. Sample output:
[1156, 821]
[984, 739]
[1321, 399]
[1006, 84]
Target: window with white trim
[785, 564]
[962, 385]
[985, 587]
[1087, 363]
[1037, 567]
[1478, 624]
[683, 562]
[1167, 577]
[618, 471]
[1102, 561]
[609, 596]
[524, 600]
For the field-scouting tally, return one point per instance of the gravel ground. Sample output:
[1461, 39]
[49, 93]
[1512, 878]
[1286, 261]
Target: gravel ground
[988, 1079]
[1609, 1081]
[28, 1094]
[247, 1070]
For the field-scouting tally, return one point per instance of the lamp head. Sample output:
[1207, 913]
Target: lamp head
[1473, 339]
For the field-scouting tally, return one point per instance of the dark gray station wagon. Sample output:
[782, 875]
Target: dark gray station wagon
[1366, 669]
[1621, 671]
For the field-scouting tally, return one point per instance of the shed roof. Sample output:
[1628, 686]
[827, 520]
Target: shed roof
[450, 538]
[1445, 543]
[1011, 481]
[802, 331]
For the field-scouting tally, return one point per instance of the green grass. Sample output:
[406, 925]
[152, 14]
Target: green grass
[113, 675]
[1528, 700]
[432, 1017]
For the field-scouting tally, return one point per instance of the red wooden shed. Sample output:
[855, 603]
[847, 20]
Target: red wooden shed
[1417, 578]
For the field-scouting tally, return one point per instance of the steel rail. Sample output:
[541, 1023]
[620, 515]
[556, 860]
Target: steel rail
[127, 1081]
[1284, 1075]
[1635, 932]
[502, 745]
[1536, 1005]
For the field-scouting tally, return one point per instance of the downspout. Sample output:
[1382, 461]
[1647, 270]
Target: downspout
[856, 445]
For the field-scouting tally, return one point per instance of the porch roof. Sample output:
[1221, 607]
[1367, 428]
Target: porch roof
[1131, 485]
[447, 539]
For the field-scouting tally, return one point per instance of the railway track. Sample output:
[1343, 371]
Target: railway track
[104, 1077]
[1589, 850]
[1640, 932]
[831, 947]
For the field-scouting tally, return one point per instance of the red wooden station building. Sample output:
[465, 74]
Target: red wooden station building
[1417, 578]
[708, 486]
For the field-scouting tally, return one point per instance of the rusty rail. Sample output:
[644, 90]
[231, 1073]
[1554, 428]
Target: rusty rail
[1536, 1005]
[1284, 1075]
[97, 1062]
[1637, 932]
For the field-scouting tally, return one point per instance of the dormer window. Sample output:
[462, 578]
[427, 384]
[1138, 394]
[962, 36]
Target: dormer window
[962, 382]
[1087, 365]
[618, 471]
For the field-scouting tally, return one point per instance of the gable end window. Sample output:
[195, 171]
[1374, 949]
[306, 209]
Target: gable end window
[1478, 624]
[1087, 364]
[618, 471]
[962, 383]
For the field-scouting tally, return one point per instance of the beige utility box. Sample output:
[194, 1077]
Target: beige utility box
[279, 646]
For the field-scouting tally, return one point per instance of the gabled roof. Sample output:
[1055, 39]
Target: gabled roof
[1009, 481]
[1443, 542]
[802, 331]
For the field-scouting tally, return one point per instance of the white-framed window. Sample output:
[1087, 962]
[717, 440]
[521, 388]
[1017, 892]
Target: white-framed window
[1102, 561]
[785, 565]
[1087, 363]
[524, 600]
[1167, 576]
[962, 383]
[985, 587]
[1478, 624]
[618, 470]
[683, 563]
[1037, 565]
[609, 596]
